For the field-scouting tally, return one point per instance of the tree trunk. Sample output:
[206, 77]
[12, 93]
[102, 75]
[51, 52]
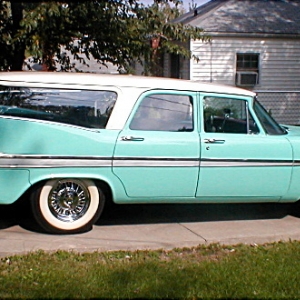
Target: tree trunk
[19, 46]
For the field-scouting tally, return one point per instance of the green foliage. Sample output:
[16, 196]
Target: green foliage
[109, 31]
[214, 271]
[45, 27]
[155, 22]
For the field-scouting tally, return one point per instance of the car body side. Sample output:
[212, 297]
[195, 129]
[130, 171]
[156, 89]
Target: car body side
[33, 151]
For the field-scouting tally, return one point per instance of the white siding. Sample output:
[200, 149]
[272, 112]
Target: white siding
[279, 61]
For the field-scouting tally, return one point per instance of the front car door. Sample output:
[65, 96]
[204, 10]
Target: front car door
[239, 160]
[157, 153]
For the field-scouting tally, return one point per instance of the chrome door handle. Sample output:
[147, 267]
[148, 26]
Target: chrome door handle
[213, 141]
[131, 138]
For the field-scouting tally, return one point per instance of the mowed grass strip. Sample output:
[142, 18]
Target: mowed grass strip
[215, 271]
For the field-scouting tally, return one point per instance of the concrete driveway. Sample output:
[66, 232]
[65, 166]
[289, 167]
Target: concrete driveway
[132, 227]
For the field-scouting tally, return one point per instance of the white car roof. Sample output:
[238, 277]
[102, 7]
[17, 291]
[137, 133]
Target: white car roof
[141, 82]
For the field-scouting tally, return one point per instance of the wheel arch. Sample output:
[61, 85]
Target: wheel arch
[110, 187]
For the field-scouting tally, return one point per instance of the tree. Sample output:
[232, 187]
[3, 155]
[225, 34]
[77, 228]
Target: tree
[165, 36]
[115, 31]
[5, 36]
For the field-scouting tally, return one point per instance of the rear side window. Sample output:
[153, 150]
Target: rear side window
[85, 108]
[164, 112]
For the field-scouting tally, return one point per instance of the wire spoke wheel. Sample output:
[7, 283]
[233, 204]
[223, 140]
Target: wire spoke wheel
[69, 200]
[67, 205]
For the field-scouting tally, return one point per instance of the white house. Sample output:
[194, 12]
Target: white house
[255, 44]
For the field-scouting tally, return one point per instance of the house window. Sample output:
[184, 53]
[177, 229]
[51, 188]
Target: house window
[247, 69]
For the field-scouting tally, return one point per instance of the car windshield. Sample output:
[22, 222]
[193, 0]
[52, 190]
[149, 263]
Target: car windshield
[269, 124]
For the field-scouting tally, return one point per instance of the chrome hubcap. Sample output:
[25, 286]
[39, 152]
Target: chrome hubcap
[69, 200]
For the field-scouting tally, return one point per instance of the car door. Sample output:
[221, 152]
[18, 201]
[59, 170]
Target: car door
[157, 153]
[239, 161]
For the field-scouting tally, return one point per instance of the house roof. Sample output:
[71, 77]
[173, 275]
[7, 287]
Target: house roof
[246, 17]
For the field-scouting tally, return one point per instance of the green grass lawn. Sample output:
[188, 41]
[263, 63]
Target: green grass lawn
[261, 271]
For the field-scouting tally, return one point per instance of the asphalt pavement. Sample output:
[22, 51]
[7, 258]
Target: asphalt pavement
[141, 227]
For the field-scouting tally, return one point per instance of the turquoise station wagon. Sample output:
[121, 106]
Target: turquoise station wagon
[71, 141]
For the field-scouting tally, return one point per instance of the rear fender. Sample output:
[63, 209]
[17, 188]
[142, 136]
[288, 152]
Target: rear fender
[103, 175]
[13, 184]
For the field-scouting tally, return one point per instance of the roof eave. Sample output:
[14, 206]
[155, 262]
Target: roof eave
[253, 35]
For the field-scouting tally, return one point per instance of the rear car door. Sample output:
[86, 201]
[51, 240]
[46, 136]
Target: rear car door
[157, 153]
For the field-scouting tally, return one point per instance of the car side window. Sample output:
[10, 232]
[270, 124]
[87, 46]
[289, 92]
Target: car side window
[227, 115]
[164, 112]
[87, 108]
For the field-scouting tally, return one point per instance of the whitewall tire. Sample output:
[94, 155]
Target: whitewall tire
[67, 205]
